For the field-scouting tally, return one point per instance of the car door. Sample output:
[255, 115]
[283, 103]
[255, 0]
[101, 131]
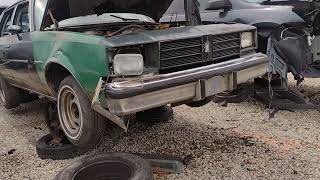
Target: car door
[5, 22]
[20, 52]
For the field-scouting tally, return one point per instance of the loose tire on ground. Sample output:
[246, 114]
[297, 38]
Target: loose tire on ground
[82, 126]
[121, 166]
[9, 96]
[46, 149]
[201, 103]
[160, 114]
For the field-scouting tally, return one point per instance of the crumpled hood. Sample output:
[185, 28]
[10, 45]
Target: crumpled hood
[147, 37]
[152, 8]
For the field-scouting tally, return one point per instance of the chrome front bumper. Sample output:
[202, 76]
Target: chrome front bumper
[129, 97]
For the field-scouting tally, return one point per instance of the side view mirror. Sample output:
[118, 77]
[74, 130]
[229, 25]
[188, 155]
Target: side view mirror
[15, 29]
[219, 5]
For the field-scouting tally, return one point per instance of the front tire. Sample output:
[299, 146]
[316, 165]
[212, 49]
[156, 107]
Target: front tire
[8, 95]
[82, 126]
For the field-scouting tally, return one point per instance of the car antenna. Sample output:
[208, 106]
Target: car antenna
[56, 23]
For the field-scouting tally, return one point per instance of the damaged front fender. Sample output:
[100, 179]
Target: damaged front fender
[122, 122]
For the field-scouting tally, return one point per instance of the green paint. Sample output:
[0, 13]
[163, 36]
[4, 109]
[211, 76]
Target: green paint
[83, 55]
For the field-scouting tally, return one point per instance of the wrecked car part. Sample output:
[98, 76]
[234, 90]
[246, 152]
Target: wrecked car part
[46, 148]
[294, 47]
[277, 65]
[164, 163]
[124, 99]
[66, 64]
[120, 166]
[267, 16]
[286, 100]
[122, 122]
[289, 51]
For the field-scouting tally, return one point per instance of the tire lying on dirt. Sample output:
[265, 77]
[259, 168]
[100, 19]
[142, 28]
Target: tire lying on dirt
[119, 166]
[47, 149]
[9, 95]
[82, 126]
[160, 114]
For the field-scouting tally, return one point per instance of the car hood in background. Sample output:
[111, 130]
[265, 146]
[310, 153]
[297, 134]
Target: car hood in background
[152, 8]
[274, 14]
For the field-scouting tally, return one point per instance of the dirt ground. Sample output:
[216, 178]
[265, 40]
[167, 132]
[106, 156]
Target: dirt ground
[234, 142]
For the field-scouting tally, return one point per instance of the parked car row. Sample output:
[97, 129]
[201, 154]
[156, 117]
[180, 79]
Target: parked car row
[108, 60]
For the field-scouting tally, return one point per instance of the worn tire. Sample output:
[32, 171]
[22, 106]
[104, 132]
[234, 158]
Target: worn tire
[9, 95]
[160, 114]
[232, 97]
[201, 103]
[120, 166]
[89, 128]
[59, 152]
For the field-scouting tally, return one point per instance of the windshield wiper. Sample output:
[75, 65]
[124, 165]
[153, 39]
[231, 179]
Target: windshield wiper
[124, 19]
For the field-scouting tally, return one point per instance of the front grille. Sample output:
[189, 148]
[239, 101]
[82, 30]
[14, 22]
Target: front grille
[225, 47]
[180, 53]
[186, 53]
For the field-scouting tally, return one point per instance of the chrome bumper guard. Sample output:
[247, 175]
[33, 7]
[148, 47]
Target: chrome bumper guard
[129, 97]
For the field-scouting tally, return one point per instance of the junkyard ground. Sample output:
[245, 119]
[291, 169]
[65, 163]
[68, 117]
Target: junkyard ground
[234, 142]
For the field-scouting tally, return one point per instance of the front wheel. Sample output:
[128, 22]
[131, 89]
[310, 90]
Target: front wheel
[82, 126]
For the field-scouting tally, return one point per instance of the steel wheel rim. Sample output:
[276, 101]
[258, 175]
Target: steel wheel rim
[70, 113]
[2, 95]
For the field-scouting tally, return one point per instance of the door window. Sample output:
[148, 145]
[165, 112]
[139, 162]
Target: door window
[22, 17]
[5, 23]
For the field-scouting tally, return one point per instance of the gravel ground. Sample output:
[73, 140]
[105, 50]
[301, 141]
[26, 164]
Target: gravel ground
[234, 142]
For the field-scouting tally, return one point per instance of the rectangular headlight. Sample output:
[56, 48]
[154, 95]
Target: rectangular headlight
[247, 39]
[128, 64]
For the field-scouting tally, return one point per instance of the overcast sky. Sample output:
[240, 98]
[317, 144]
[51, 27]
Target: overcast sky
[7, 2]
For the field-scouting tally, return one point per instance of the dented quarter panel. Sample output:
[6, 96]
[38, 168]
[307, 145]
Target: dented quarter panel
[81, 54]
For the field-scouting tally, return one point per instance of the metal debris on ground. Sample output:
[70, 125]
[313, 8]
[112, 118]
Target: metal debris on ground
[291, 100]
[164, 163]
